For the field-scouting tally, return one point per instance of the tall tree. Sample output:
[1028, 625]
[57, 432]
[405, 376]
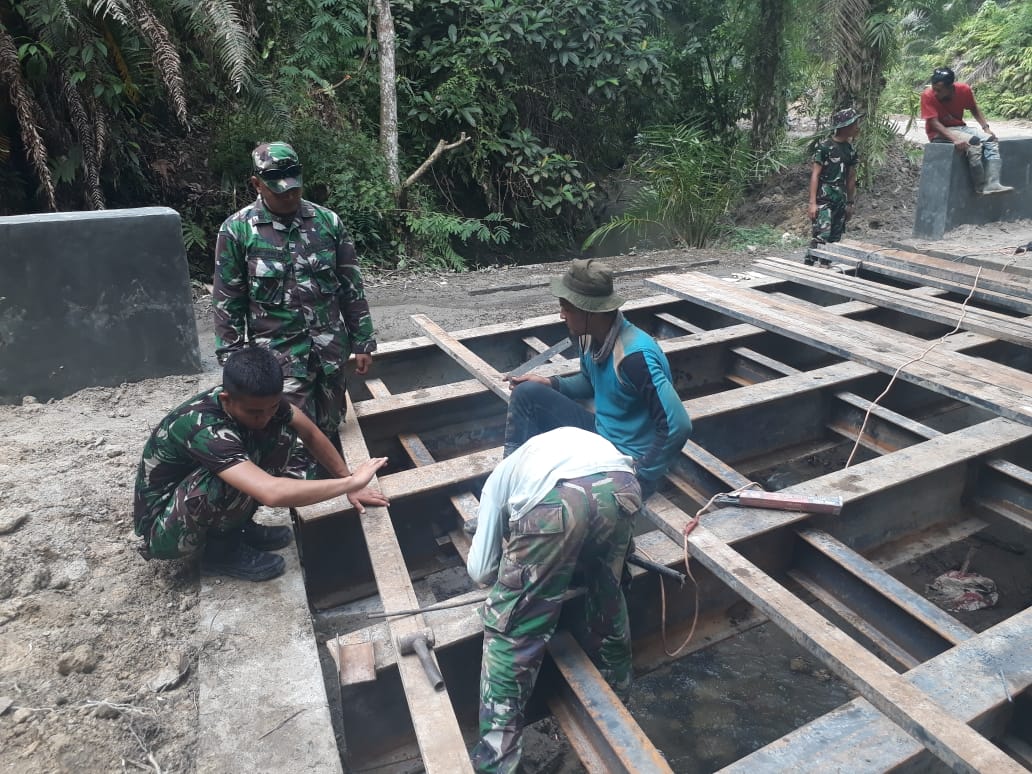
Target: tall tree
[767, 67]
[865, 44]
[388, 91]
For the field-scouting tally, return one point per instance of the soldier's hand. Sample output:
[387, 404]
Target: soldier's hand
[363, 362]
[813, 211]
[367, 496]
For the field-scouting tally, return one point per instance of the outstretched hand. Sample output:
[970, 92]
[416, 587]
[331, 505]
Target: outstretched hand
[367, 496]
[362, 475]
[514, 380]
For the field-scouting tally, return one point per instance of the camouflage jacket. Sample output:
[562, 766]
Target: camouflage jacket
[835, 159]
[294, 288]
[200, 434]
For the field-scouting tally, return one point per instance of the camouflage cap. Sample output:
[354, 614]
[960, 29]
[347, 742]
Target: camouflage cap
[277, 164]
[845, 118]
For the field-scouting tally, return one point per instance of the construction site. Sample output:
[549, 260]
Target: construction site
[861, 429]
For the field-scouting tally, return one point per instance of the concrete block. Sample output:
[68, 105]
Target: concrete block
[262, 704]
[946, 198]
[93, 298]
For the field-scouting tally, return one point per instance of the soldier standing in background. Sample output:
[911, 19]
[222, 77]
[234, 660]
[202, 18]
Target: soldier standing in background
[287, 278]
[833, 181]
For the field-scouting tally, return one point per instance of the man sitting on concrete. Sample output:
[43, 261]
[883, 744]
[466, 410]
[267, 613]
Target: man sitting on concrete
[211, 462]
[564, 501]
[942, 108]
[621, 367]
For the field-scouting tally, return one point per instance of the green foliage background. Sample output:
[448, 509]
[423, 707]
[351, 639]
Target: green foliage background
[121, 103]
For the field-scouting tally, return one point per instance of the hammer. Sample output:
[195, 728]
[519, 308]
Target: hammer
[420, 644]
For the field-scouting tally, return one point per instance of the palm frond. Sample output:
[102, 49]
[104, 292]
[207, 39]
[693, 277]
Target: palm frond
[118, 10]
[224, 23]
[28, 112]
[165, 57]
[87, 141]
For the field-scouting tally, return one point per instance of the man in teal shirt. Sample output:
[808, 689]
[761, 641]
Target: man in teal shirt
[623, 368]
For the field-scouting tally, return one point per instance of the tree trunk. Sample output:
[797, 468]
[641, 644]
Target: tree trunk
[388, 92]
[768, 95]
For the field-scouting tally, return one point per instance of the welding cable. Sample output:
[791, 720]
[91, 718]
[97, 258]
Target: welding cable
[929, 348]
[688, 528]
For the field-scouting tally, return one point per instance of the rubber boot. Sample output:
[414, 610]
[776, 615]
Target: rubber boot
[974, 154]
[992, 175]
[228, 554]
[265, 538]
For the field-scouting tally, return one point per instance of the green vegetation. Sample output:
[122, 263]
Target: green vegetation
[515, 119]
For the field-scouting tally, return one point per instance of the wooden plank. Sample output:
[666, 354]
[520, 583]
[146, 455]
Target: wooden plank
[873, 476]
[377, 388]
[993, 298]
[949, 313]
[437, 730]
[1001, 281]
[1002, 390]
[947, 737]
[965, 680]
[417, 481]
[479, 368]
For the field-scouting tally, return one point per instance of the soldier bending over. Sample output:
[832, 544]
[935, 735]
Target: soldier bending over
[564, 501]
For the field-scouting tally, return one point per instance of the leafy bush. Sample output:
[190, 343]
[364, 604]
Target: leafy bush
[689, 182]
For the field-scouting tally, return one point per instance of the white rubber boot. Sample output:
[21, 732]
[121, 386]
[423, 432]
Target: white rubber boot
[992, 174]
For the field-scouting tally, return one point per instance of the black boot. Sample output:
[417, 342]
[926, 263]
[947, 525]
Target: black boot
[265, 538]
[228, 554]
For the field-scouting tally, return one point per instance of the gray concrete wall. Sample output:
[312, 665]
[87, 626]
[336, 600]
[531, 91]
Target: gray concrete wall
[93, 298]
[946, 199]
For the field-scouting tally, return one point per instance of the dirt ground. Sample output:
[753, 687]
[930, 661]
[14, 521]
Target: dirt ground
[98, 648]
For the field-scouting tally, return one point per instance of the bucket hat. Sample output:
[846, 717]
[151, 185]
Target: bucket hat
[278, 166]
[844, 118]
[588, 285]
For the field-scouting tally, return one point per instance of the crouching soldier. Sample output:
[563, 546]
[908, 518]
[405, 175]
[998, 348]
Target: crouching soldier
[564, 501]
[212, 461]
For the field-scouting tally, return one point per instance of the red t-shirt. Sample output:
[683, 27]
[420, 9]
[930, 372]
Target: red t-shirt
[949, 113]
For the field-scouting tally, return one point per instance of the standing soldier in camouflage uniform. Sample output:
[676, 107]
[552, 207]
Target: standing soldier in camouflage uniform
[564, 501]
[833, 181]
[287, 278]
[210, 463]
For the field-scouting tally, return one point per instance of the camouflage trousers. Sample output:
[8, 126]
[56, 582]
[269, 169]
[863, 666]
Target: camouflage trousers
[204, 502]
[582, 525]
[830, 223]
[321, 397]
[318, 394]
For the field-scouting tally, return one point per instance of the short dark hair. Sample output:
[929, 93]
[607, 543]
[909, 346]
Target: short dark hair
[943, 75]
[254, 372]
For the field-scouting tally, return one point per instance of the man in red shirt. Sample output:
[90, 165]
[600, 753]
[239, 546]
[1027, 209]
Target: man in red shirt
[942, 108]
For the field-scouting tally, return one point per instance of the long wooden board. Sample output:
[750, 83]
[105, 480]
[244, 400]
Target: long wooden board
[437, 731]
[1000, 326]
[1002, 390]
[930, 266]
